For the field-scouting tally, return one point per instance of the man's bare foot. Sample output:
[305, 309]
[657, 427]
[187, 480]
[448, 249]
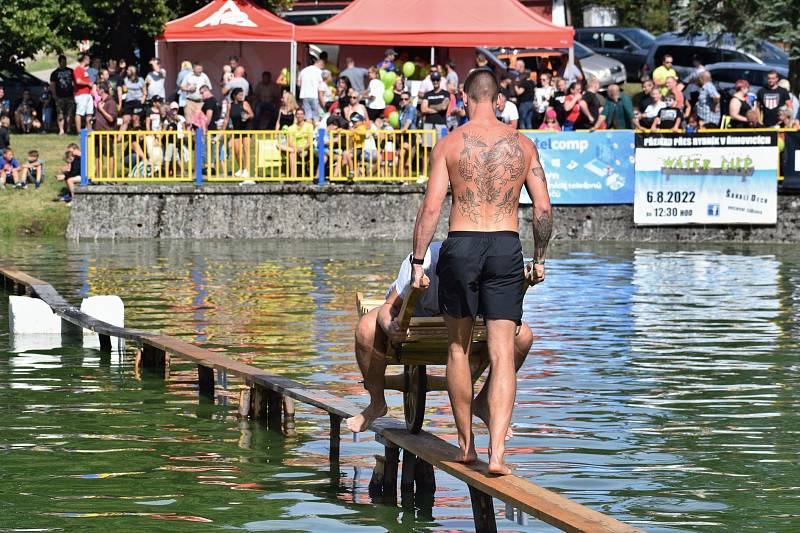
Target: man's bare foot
[496, 466]
[480, 410]
[362, 421]
[468, 457]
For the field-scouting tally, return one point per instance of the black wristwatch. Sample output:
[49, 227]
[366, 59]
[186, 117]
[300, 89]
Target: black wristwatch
[415, 261]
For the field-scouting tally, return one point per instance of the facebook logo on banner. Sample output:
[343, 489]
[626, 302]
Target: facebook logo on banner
[713, 210]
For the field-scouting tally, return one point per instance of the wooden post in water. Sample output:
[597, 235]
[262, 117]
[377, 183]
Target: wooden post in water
[288, 416]
[335, 439]
[105, 343]
[424, 477]
[407, 475]
[482, 511]
[244, 403]
[376, 482]
[275, 410]
[258, 403]
[154, 360]
[205, 381]
[390, 477]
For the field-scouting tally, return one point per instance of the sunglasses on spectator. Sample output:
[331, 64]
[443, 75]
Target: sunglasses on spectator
[404, 99]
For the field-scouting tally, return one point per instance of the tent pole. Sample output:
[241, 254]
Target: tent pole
[293, 66]
[433, 55]
[156, 46]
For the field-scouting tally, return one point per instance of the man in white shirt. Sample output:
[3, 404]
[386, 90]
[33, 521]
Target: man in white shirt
[238, 82]
[375, 328]
[507, 111]
[312, 90]
[191, 86]
[155, 80]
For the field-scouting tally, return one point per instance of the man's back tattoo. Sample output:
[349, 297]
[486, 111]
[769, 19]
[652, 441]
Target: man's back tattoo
[491, 169]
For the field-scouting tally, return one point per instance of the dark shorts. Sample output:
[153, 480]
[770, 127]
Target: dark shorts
[132, 107]
[481, 273]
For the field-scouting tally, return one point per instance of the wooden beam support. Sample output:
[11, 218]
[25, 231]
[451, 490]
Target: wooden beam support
[275, 410]
[378, 473]
[336, 439]
[105, 343]
[288, 416]
[424, 477]
[390, 477]
[259, 401]
[205, 381]
[407, 475]
[154, 360]
[482, 511]
[244, 403]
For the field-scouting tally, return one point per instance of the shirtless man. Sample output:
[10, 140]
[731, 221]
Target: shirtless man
[481, 270]
[379, 325]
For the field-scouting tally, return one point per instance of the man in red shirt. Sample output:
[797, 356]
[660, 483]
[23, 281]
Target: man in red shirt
[84, 103]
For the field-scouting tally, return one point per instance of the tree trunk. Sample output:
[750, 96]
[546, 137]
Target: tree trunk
[794, 72]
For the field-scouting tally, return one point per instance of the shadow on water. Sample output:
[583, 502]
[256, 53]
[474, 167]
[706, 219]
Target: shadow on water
[661, 389]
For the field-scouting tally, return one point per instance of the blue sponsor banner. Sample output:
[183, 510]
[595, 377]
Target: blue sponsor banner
[586, 167]
[706, 178]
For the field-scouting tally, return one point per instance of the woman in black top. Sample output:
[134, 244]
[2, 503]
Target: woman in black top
[239, 115]
[739, 106]
[286, 111]
[343, 87]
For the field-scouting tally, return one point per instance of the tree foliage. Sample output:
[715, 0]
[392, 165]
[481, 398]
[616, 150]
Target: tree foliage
[749, 21]
[117, 27]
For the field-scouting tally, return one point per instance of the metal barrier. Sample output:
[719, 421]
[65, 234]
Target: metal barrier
[378, 155]
[260, 155]
[140, 156]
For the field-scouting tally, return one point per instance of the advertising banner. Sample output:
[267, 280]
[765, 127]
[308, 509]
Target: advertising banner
[586, 167]
[706, 178]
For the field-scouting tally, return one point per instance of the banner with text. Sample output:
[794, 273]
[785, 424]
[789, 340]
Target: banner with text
[586, 167]
[706, 178]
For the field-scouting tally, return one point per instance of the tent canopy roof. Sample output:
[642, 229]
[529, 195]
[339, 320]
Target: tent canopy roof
[229, 20]
[465, 23]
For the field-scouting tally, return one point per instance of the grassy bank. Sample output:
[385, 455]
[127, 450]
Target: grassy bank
[32, 212]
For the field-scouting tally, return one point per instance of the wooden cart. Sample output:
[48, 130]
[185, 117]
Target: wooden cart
[425, 344]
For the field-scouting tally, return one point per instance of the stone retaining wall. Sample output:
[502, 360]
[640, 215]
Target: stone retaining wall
[363, 211]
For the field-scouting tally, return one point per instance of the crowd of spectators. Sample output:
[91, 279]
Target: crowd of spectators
[397, 93]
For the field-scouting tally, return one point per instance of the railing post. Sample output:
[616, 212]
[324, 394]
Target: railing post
[84, 157]
[198, 157]
[321, 152]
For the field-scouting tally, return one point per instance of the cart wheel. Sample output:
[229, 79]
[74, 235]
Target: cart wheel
[416, 381]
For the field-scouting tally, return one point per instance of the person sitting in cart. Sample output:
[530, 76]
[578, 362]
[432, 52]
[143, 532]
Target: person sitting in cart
[379, 325]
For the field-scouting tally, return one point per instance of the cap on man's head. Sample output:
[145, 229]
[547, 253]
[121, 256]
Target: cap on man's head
[390, 52]
[174, 105]
[435, 76]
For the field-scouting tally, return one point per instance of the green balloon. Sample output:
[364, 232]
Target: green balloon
[409, 68]
[389, 80]
[382, 74]
[394, 119]
[424, 71]
[388, 95]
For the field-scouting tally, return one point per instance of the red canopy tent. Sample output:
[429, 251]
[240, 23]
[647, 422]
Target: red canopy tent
[222, 28]
[458, 26]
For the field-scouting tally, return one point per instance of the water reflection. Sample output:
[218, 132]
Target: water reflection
[661, 389]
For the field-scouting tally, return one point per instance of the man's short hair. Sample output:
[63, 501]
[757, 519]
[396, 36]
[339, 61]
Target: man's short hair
[82, 57]
[62, 57]
[33, 153]
[481, 85]
[205, 87]
[197, 64]
[773, 72]
[72, 146]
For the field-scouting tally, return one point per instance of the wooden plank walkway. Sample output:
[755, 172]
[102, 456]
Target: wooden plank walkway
[268, 398]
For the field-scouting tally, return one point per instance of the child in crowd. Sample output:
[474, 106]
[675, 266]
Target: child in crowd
[71, 172]
[10, 169]
[33, 169]
[550, 122]
[5, 133]
[669, 117]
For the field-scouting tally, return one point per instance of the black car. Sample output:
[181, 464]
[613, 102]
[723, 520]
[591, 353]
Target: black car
[627, 45]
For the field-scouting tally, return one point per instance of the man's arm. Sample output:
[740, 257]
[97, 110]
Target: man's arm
[428, 213]
[425, 108]
[387, 316]
[536, 183]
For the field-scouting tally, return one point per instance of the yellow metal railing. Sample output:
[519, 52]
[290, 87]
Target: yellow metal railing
[134, 156]
[384, 155]
[260, 155]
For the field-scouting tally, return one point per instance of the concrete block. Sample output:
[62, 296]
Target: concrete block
[31, 315]
[33, 342]
[109, 309]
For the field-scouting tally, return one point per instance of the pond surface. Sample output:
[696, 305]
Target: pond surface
[661, 389]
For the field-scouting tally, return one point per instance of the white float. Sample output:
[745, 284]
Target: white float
[109, 309]
[31, 316]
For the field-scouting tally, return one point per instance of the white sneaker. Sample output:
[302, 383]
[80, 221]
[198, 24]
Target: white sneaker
[238, 173]
[247, 182]
[244, 173]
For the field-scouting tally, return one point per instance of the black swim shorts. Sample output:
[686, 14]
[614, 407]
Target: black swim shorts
[481, 273]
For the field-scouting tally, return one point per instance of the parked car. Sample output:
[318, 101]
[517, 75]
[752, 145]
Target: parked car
[15, 80]
[725, 75]
[628, 45]
[684, 49]
[605, 69]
